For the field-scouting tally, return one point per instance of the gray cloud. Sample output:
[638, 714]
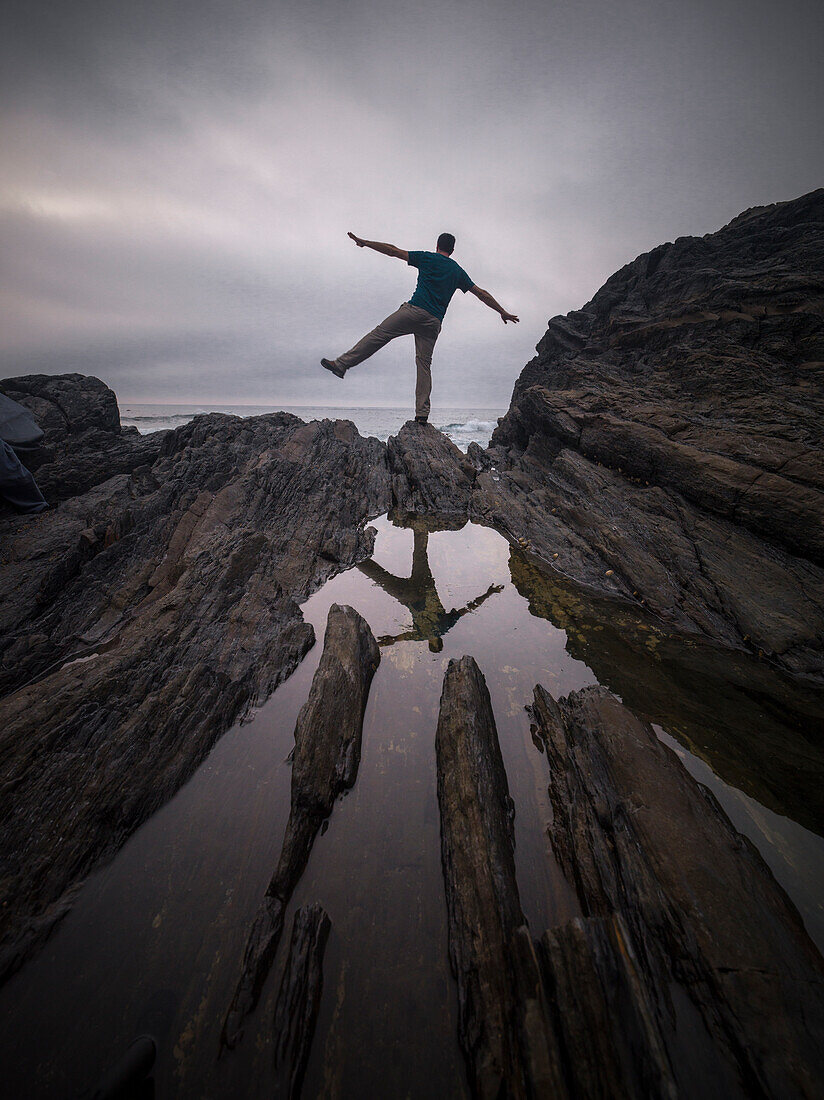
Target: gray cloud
[178, 180]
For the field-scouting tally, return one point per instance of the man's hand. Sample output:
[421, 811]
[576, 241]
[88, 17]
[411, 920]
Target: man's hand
[488, 300]
[379, 246]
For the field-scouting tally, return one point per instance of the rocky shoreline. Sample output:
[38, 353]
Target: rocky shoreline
[659, 477]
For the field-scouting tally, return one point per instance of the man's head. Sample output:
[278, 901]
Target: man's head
[446, 243]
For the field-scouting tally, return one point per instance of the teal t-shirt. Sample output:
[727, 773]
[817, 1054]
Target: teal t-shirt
[438, 279]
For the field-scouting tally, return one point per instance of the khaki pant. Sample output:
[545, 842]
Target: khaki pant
[405, 320]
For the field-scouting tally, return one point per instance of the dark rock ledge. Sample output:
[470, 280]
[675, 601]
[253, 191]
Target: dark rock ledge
[139, 619]
[83, 442]
[665, 445]
[325, 764]
[298, 1003]
[690, 973]
[503, 1018]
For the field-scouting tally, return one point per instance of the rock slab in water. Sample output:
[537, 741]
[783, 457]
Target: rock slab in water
[325, 764]
[298, 1002]
[689, 942]
[690, 973]
[502, 1018]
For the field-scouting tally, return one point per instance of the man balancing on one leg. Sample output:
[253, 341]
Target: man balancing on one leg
[438, 279]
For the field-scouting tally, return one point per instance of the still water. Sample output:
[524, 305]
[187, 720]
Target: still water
[155, 940]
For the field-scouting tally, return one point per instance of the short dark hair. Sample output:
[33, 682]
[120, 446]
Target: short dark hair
[446, 243]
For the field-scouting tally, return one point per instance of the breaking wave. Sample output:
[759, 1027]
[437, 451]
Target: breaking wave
[473, 430]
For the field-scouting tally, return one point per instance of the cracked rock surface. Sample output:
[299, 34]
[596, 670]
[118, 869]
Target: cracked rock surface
[687, 940]
[142, 617]
[664, 445]
[325, 764]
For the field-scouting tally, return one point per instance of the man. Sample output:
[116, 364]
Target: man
[438, 279]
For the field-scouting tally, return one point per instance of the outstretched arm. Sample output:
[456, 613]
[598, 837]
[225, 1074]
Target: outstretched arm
[386, 249]
[488, 300]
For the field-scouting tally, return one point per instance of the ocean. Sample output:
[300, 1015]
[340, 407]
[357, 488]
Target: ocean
[463, 426]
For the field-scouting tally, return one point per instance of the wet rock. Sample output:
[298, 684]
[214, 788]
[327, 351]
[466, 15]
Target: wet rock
[689, 974]
[298, 1002]
[503, 1024]
[689, 942]
[141, 618]
[429, 473]
[670, 432]
[83, 443]
[602, 1012]
[325, 764]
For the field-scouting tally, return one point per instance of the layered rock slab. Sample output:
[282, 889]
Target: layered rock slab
[142, 617]
[503, 1024]
[689, 972]
[298, 1002]
[429, 473]
[324, 765]
[665, 443]
[728, 985]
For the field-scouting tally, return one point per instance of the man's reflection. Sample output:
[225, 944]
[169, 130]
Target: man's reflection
[430, 619]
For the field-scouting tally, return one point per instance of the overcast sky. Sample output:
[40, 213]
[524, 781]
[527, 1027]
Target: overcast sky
[177, 179]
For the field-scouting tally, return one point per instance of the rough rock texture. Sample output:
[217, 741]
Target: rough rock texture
[690, 940]
[690, 974]
[502, 1018]
[139, 619]
[429, 473]
[83, 443]
[325, 764]
[665, 443]
[298, 1002]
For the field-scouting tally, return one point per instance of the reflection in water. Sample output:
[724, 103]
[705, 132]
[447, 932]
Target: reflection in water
[155, 939]
[430, 619]
[757, 729]
[748, 733]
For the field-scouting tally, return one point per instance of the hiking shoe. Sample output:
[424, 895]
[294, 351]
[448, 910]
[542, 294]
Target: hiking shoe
[331, 366]
[421, 419]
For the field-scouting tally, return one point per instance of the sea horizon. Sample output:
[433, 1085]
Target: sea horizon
[463, 424]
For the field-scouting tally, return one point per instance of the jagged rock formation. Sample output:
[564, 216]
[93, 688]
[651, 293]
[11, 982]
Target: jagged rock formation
[665, 443]
[502, 1018]
[429, 473]
[325, 764]
[663, 449]
[83, 443]
[141, 618]
[689, 973]
[298, 1002]
[688, 940]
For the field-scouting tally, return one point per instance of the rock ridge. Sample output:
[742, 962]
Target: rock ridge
[142, 616]
[665, 443]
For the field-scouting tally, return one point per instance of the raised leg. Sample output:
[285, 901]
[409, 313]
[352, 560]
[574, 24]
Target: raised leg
[398, 323]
